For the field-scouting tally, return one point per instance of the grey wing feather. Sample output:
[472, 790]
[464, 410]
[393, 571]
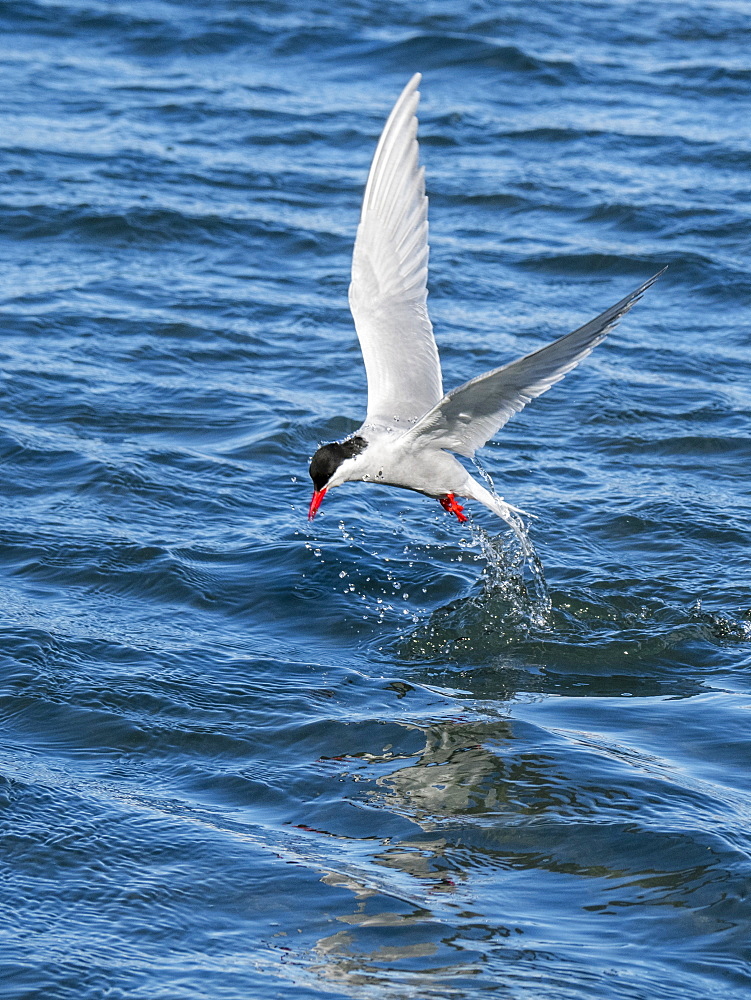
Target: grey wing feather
[471, 414]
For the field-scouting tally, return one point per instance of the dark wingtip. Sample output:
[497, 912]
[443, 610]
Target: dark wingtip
[635, 296]
[620, 310]
[648, 284]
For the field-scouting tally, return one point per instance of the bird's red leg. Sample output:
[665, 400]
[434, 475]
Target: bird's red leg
[449, 503]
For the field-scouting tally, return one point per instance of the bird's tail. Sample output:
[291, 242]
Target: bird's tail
[510, 514]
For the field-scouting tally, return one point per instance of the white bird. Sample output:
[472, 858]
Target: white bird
[410, 427]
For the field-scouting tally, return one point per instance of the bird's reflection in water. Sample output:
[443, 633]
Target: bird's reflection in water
[548, 824]
[414, 927]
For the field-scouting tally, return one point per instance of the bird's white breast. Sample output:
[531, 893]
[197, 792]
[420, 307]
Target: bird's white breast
[390, 460]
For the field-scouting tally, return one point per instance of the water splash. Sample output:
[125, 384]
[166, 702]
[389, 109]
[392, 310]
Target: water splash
[722, 627]
[513, 572]
[511, 604]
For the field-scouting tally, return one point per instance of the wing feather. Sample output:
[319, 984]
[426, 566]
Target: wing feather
[388, 293]
[471, 414]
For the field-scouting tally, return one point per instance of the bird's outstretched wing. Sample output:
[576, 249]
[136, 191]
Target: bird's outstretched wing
[471, 414]
[388, 293]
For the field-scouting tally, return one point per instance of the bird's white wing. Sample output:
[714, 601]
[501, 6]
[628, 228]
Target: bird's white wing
[388, 293]
[470, 415]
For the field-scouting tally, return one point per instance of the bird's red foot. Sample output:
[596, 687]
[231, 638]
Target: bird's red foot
[449, 503]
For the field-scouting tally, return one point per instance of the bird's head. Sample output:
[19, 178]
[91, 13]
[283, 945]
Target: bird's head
[331, 466]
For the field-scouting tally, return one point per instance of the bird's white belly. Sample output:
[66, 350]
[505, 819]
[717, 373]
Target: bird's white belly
[429, 471]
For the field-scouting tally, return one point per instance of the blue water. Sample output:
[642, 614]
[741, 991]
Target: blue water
[385, 755]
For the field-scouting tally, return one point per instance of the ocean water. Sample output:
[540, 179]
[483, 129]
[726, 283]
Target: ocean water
[382, 755]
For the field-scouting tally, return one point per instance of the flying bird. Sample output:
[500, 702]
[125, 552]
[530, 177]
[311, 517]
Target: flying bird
[411, 428]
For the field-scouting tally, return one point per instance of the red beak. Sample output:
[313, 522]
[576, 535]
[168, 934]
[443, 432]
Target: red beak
[315, 503]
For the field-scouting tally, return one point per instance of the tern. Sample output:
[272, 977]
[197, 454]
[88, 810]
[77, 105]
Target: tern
[412, 431]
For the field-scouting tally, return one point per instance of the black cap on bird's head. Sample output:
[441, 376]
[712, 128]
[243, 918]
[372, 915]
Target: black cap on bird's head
[325, 462]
